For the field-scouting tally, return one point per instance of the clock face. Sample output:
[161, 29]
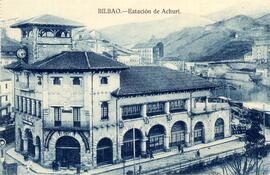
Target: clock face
[21, 53]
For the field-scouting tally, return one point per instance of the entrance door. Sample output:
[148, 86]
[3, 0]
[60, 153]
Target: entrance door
[104, 151]
[68, 151]
[30, 145]
[156, 138]
[132, 137]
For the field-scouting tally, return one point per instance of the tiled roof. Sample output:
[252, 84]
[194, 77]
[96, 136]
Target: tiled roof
[154, 79]
[72, 61]
[47, 20]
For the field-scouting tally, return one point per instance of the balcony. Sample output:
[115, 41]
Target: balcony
[23, 86]
[66, 125]
[211, 107]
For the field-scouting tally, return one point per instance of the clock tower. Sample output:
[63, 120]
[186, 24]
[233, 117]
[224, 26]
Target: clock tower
[45, 36]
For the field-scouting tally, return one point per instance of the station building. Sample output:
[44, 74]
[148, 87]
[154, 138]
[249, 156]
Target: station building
[83, 108]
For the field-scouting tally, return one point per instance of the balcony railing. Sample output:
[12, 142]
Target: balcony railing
[211, 107]
[66, 125]
[25, 87]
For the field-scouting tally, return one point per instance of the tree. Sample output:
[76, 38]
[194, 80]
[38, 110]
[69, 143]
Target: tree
[251, 160]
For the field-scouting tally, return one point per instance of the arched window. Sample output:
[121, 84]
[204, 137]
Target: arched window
[68, 151]
[131, 144]
[156, 138]
[219, 129]
[30, 144]
[178, 133]
[199, 133]
[104, 151]
[104, 111]
[46, 33]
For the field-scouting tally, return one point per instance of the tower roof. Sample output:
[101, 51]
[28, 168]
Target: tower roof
[48, 20]
[70, 61]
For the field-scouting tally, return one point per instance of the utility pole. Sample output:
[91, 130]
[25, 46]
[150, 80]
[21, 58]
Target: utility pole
[264, 119]
[134, 151]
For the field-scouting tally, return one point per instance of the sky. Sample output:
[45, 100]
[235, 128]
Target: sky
[86, 11]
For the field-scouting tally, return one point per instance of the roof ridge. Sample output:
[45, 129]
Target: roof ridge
[87, 59]
[55, 56]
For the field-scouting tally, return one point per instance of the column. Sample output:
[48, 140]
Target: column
[94, 155]
[25, 145]
[36, 108]
[167, 142]
[167, 107]
[24, 104]
[33, 107]
[187, 139]
[37, 152]
[143, 147]
[28, 106]
[119, 151]
[144, 110]
[206, 103]
[190, 103]
[115, 157]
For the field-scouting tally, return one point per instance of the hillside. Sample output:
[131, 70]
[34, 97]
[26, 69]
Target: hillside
[226, 39]
[132, 33]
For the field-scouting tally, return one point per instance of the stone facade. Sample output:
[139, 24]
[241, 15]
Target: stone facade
[55, 109]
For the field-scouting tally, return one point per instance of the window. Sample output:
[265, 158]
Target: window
[76, 81]
[30, 106]
[17, 78]
[57, 116]
[6, 86]
[76, 116]
[56, 81]
[6, 98]
[26, 105]
[177, 105]
[155, 108]
[131, 111]
[104, 80]
[104, 111]
[39, 78]
[21, 107]
[34, 107]
[46, 33]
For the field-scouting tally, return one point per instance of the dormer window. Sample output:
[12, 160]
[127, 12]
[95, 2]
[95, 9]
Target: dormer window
[76, 81]
[56, 81]
[104, 80]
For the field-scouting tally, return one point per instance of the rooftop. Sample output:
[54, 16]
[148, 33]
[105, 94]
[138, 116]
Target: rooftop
[49, 20]
[146, 45]
[142, 80]
[71, 61]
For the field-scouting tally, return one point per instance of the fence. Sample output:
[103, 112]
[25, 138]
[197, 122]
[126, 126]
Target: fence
[177, 167]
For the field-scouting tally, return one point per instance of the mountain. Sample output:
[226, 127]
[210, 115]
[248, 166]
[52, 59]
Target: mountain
[132, 33]
[250, 8]
[264, 20]
[223, 40]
